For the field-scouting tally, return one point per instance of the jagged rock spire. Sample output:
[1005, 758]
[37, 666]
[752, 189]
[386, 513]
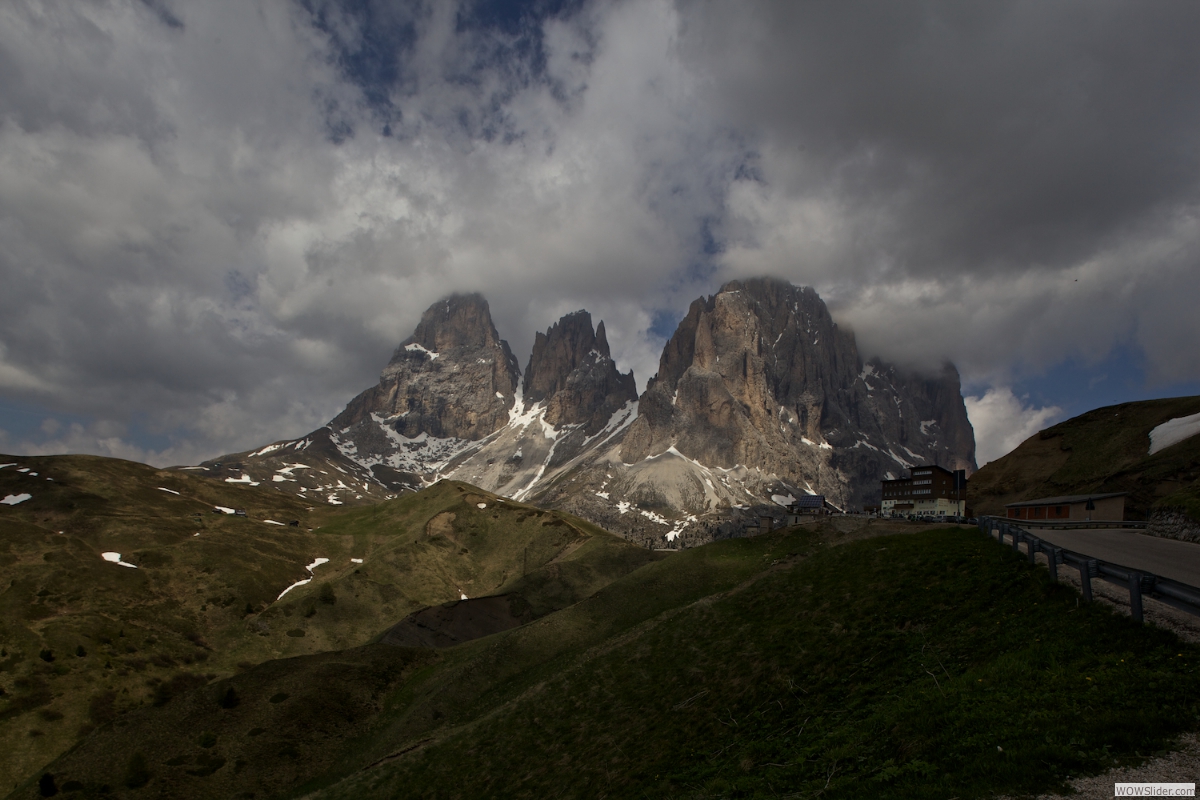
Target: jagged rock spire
[572, 371]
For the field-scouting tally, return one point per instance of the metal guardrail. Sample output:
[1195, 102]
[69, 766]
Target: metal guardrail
[1140, 584]
[1067, 525]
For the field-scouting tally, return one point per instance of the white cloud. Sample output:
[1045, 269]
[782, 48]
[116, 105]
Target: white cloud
[183, 238]
[204, 226]
[1002, 421]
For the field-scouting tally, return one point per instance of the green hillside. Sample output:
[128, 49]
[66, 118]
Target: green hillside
[83, 640]
[1106, 450]
[806, 662]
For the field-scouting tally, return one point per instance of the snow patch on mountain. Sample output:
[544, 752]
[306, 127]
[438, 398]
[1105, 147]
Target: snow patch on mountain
[115, 558]
[1173, 431]
[316, 563]
[244, 479]
[416, 348]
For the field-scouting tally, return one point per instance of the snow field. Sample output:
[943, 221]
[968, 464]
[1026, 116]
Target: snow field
[1173, 431]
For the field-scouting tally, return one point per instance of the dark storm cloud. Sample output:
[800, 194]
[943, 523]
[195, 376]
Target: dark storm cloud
[220, 218]
[1005, 184]
[999, 135]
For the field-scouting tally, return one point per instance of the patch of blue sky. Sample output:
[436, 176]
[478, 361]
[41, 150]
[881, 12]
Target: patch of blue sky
[371, 40]
[23, 425]
[1077, 387]
[511, 16]
[21, 422]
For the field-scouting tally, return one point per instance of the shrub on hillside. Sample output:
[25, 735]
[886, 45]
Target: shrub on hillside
[137, 773]
[326, 594]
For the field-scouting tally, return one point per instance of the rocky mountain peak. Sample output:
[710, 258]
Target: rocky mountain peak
[453, 378]
[460, 320]
[572, 370]
[760, 375]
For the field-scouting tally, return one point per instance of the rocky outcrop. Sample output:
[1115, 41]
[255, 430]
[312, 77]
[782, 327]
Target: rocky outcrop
[573, 402]
[1173, 523]
[572, 371]
[453, 378]
[760, 376]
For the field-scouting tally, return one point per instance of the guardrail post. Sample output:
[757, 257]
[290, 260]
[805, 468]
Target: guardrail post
[1016, 538]
[1135, 595]
[1088, 569]
[1053, 557]
[1031, 548]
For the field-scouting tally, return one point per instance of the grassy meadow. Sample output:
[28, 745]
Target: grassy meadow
[83, 640]
[802, 663]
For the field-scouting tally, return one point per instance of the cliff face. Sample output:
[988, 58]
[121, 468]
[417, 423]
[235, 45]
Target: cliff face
[447, 404]
[453, 378]
[572, 371]
[759, 375]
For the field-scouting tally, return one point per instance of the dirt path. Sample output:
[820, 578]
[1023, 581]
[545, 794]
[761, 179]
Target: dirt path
[1181, 766]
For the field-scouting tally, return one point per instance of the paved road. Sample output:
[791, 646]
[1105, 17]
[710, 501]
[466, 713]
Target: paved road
[1167, 557]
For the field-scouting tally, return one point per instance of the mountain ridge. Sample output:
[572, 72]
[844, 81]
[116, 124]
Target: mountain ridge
[759, 397]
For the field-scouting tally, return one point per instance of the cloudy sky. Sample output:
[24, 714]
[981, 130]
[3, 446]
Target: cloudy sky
[218, 219]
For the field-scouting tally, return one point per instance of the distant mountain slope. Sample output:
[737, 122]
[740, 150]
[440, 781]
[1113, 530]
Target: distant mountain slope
[759, 397]
[122, 585]
[1105, 450]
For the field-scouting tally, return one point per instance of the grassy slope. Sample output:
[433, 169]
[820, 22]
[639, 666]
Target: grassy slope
[894, 666]
[898, 664]
[202, 607]
[1105, 450]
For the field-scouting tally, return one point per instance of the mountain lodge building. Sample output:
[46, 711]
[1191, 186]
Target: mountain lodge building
[929, 491]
